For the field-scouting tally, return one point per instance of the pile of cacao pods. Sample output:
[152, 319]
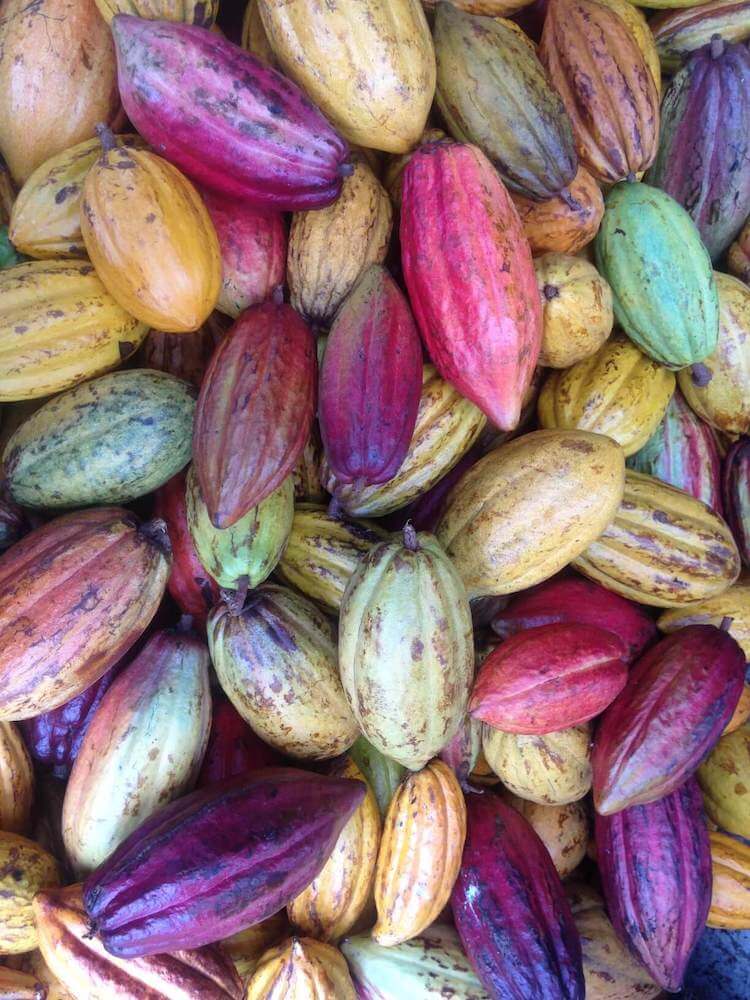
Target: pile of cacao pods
[375, 455]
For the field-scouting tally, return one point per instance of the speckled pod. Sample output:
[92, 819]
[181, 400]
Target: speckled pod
[566, 223]
[198, 12]
[301, 969]
[25, 869]
[733, 603]
[564, 830]
[724, 778]
[730, 896]
[554, 769]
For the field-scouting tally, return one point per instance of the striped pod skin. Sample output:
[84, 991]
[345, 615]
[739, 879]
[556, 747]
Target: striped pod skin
[301, 969]
[730, 896]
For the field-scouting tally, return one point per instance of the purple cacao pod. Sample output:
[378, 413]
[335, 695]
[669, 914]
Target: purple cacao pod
[227, 120]
[370, 382]
[736, 494]
[218, 860]
[510, 908]
[683, 452]
[655, 865]
[703, 160]
[675, 706]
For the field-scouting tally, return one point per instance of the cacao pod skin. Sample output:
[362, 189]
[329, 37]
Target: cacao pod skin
[254, 37]
[736, 494]
[16, 781]
[246, 947]
[200, 12]
[640, 29]
[510, 908]
[741, 713]
[572, 598]
[566, 223]
[275, 150]
[549, 678]
[382, 774]
[233, 748]
[143, 748]
[447, 427]
[115, 573]
[254, 411]
[370, 382]
[21, 986]
[683, 452]
[664, 293]
[733, 603]
[336, 901]
[420, 853]
[677, 701]
[663, 548]
[527, 508]
[576, 309]
[655, 865]
[590, 54]
[492, 91]
[704, 151]
[276, 661]
[724, 777]
[677, 33]
[405, 648]
[564, 830]
[80, 961]
[730, 897]
[552, 770]
[185, 355]
[24, 869]
[462, 752]
[476, 303]
[12, 524]
[218, 860]
[298, 969]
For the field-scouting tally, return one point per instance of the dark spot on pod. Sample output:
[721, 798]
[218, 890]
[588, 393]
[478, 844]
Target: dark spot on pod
[65, 192]
[551, 292]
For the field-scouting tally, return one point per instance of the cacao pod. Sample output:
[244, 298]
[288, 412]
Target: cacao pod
[233, 748]
[198, 12]
[306, 474]
[254, 37]
[300, 968]
[393, 176]
[640, 29]
[16, 781]
[246, 947]
[738, 258]
[736, 494]
[22, 986]
[185, 355]
[566, 223]
[462, 752]
[564, 830]
[741, 713]
[679, 32]
[383, 775]
[24, 869]
[724, 778]
[553, 770]
[730, 897]
[36, 965]
[733, 603]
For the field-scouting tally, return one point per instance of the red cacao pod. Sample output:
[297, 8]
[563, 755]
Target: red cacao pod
[510, 908]
[233, 748]
[472, 287]
[193, 590]
[75, 594]
[254, 411]
[570, 598]
[736, 494]
[549, 678]
[370, 382]
[655, 865]
[227, 120]
[677, 701]
[218, 860]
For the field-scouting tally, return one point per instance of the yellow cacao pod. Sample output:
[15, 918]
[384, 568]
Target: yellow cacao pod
[245, 948]
[24, 869]
[730, 898]
[198, 12]
[16, 780]
[17, 985]
[554, 769]
[564, 830]
[34, 964]
[732, 603]
[301, 969]
[741, 713]
[724, 777]
[254, 37]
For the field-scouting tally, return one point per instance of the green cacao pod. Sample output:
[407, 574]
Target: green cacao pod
[383, 774]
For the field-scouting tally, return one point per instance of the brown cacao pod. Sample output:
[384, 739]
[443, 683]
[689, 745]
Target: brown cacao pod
[554, 769]
[301, 969]
[730, 898]
[564, 830]
[576, 309]
[16, 780]
[566, 223]
[25, 869]
[185, 355]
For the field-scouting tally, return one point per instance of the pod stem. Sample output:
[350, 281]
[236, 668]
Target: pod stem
[106, 137]
[717, 46]
[155, 532]
[346, 169]
[184, 625]
[277, 295]
[235, 599]
[726, 623]
[410, 537]
[550, 292]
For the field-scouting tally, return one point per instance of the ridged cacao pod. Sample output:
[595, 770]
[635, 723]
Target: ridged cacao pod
[307, 473]
[554, 769]
[185, 355]
[16, 985]
[393, 174]
[640, 29]
[527, 508]
[462, 752]
[420, 853]
[198, 12]
[574, 599]
[576, 309]
[59, 326]
[472, 289]
[724, 778]
[405, 648]
[143, 748]
[493, 91]
[663, 548]
[683, 452]
[35, 964]
[246, 947]
[664, 293]
[254, 411]
[298, 969]
[109, 440]
[275, 149]
[447, 426]
[46, 217]
[331, 247]
[736, 494]
[334, 902]
[51, 97]
[564, 830]
[741, 713]
[115, 573]
[677, 33]
[521, 943]
[218, 860]
[16, 781]
[730, 897]
[383, 775]
[704, 149]
[276, 661]
[322, 552]
[718, 389]
[590, 54]
[233, 748]
[254, 37]
[549, 678]
[81, 962]
[733, 603]
[566, 223]
[677, 701]
[618, 391]
[738, 257]
[12, 524]
[655, 866]
[369, 67]
[24, 869]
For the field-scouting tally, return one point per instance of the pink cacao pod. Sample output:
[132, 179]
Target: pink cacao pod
[472, 287]
[233, 748]
[655, 866]
[675, 706]
[736, 494]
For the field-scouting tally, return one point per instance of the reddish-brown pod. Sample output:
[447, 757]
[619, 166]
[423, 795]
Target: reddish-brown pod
[370, 382]
[254, 411]
[233, 748]
[470, 277]
[510, 908]
[675, 706]
[185, 355]
[655, 866]
[192, 589]
[549, 678]
[736, 494]
[571, 598]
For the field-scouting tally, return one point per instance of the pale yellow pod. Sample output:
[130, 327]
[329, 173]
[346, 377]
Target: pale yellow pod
[730, 898]
[554, 769]
[301, 969]
[24, 869]
[563, 829]
[198, 12]
[246, 947]
[732, 603]
[254, 38]
[16, 780]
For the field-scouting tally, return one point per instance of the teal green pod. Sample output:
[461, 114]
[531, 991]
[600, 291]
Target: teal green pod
[663, 288]
[109, 440]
